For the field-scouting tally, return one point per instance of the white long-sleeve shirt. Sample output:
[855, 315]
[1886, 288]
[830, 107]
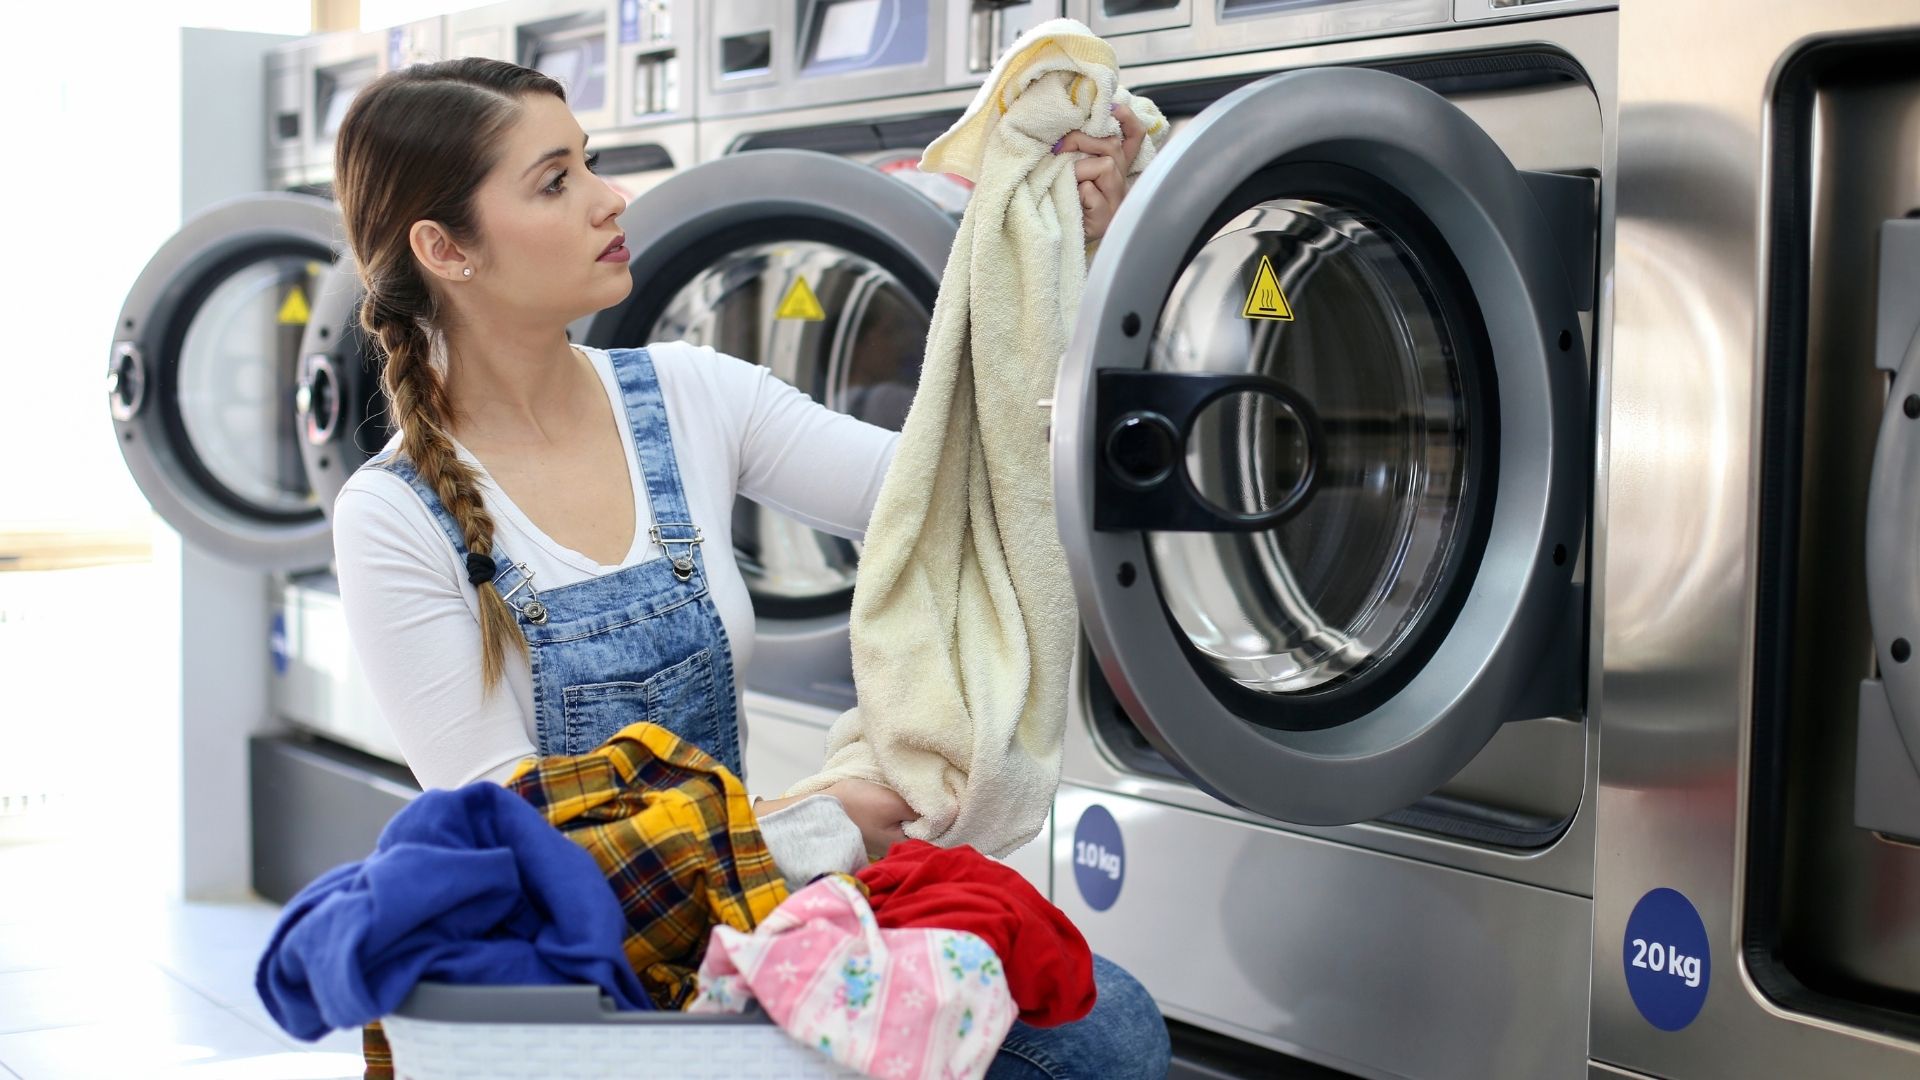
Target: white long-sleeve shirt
[414, 620]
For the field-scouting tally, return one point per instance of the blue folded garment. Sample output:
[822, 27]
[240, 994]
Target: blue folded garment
[470, 886]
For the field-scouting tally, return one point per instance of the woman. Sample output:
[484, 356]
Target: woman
[556, 519]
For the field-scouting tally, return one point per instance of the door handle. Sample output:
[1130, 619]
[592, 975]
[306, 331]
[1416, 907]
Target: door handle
[126, 381]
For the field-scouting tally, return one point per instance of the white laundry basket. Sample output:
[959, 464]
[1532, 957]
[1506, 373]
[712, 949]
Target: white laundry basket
[444, 1032]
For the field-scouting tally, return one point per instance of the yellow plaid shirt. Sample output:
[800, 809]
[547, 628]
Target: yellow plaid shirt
[674, 833]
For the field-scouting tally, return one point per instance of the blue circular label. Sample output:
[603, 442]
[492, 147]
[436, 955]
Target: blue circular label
[277, 641]
[1666, 958]
[1099, 858]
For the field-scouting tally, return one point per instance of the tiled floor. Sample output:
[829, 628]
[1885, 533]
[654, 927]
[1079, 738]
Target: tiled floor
[100, 974]
[99, 978]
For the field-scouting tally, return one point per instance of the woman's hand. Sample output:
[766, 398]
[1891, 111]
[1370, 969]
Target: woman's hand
[881, 814]
[1103, 172]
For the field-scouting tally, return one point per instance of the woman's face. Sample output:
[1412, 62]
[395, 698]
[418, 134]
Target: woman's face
[545, 223]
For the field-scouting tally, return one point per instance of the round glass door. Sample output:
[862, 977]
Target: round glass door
[202, 379]
[835, 324]
[234, 385]
[1318, 448]
[1375, 446]
[340, 405]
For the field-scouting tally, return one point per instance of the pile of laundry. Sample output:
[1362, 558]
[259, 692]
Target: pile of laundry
[640, 868]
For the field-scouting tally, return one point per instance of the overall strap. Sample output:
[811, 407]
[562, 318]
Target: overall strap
[401, 466]
[673, 528]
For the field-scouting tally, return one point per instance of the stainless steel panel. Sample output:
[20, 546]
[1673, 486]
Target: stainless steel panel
[321, 686]
[1113, 18]
[344, 61]
[421, 42]
[783, 83]
[1146, 33]
[658, 69]
[785, 742]
[1474, 10]
[1554, 779]
[680, 141]
[285, 119]
[312, 807]
[1363, 961]
[1560, 127]
[1676, 568]
[502, 30]
[720, 136]
[979, 31]
[300, 70]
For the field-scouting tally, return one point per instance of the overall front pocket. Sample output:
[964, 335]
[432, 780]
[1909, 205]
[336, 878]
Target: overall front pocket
[680, 698]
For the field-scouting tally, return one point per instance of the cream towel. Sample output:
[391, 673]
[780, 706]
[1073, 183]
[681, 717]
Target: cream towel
[963, 615]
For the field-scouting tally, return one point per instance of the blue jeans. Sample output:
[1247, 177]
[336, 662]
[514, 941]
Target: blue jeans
[1122, 1038]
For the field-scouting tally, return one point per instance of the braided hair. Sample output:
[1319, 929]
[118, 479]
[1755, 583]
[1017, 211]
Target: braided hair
[414, 146]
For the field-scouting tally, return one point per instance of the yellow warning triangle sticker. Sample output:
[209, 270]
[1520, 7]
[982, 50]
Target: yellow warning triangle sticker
[800, 303]
[294, 311]
[1266, 300]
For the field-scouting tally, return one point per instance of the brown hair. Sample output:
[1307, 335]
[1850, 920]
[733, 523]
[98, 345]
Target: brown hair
[414, 146]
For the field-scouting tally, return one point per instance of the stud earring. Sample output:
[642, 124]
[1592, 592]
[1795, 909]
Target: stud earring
[466, 271]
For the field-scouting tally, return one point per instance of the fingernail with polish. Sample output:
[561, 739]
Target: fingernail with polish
[1057, 142]
[1112, 105]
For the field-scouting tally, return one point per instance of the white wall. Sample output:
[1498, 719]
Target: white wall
[375, 14]
[90, 185]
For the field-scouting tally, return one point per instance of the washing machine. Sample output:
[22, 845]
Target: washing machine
[1757, 881]
[1323, 457]
[310, 83]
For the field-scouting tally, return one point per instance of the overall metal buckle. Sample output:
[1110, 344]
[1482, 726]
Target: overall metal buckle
[683, 562]
[533, 609]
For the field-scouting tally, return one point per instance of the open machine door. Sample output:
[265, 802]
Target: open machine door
[1321, 446]
[202, 372]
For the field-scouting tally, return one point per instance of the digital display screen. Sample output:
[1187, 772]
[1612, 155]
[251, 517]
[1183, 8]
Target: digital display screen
[564, 63]
[846, 31]
[846, 36]
[577, 61]
[336, 88]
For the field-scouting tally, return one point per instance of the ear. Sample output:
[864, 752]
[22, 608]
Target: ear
[437, 252]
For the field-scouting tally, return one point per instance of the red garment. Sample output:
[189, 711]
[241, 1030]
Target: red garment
[1049, 967]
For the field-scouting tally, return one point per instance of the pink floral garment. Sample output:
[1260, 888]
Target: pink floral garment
[914, 1004]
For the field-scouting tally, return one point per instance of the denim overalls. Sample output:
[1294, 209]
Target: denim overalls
[641, 643]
